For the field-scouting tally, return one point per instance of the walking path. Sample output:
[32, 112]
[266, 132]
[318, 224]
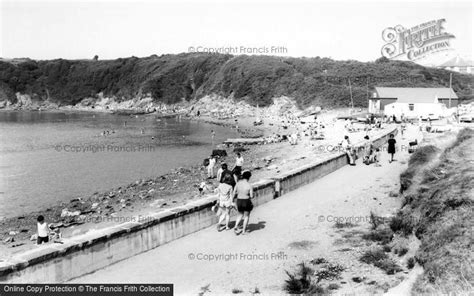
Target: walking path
[296, 227]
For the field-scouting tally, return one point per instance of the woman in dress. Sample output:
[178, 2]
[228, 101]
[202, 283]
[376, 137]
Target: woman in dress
[243, 192]
[391, 146]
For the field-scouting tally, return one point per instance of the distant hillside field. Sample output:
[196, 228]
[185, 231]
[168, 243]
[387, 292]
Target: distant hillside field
[255, 79]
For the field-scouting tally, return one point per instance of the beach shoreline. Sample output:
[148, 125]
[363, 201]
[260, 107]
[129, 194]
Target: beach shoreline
[155, 194]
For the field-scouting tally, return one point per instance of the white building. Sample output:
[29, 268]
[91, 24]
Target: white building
[412, 102]
[458, 64]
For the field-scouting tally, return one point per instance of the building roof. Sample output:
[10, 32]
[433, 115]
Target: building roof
[457, 62]
[415, 94]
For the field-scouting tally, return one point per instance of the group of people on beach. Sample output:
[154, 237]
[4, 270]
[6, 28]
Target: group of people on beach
[107, 133]
[371, 153]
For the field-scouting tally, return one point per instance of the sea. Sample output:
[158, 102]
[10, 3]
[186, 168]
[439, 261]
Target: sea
[50, 157]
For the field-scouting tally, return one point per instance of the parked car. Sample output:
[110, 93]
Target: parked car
[466, 117]
[430, 116]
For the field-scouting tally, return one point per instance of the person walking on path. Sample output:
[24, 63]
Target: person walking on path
[243, 193]
[391, 147]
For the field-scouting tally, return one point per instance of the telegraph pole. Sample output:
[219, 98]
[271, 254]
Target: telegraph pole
[450, 85]
[350, 90]
[368, 99]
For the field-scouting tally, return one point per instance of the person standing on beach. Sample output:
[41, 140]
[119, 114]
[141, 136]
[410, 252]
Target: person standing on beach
[391, 146]
[210, 167]
[227, 176]
[239, 161]
[43, 231]
[219, 172]
[213, 135]
[243, 193]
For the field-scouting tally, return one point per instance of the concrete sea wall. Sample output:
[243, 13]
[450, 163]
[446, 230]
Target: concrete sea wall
[87, 253]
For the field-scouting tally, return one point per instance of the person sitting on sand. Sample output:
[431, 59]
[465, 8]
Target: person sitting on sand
[203, 187]
[243, 193]
[376, 157]
[43, 231]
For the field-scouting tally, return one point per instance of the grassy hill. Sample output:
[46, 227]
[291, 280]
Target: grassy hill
[255, 79]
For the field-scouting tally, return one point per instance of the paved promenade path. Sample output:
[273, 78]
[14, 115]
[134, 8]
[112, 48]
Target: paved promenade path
[296, 227]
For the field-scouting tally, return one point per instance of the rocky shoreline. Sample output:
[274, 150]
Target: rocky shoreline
[177, 187]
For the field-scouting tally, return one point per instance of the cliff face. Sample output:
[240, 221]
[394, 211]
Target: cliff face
[173, 78]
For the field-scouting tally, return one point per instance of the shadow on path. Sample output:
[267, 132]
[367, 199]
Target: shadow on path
[256, 226]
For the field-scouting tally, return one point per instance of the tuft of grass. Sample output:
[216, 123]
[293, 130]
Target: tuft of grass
[410, 263]
[333, 286]
[329, 272]
[380, 259]
[372, 256]
[422, 155]
[402, 251]
[319, 260]
[236, 291]
[386, 248]
[340, 225]
[401, 224]
[300, 282]
[416, 164]
[383, 236]
[375, 220]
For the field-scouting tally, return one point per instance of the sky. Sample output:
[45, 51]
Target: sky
[111, 29]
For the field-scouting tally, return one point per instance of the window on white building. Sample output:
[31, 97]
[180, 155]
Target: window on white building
[411, 107]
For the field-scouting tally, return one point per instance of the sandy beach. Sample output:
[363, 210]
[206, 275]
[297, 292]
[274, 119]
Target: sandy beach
[180, 185]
